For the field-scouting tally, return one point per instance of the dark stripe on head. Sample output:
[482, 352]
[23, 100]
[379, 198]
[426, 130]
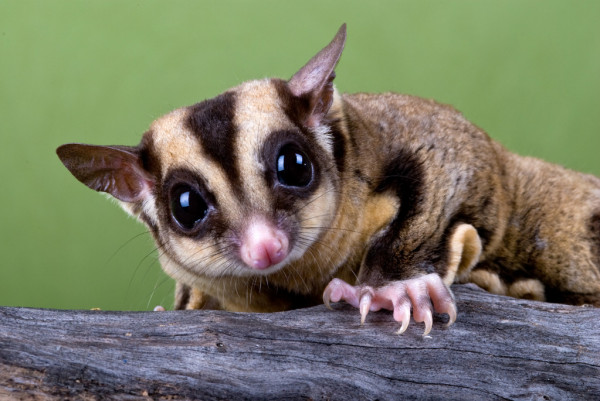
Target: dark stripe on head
[212, 122]
[339, 146]
[297, 110]
[150, 157]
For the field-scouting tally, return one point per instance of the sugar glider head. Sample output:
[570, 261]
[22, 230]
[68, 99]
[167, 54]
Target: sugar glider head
[241, 184]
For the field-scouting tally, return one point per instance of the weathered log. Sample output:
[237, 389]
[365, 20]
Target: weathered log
[500, 348]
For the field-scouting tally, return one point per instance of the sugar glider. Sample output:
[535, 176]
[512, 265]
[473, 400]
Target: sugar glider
[283, 194]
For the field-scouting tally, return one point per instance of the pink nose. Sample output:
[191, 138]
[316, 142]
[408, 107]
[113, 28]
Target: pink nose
[263, 245]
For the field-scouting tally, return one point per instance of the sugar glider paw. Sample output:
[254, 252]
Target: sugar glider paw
[422, 294]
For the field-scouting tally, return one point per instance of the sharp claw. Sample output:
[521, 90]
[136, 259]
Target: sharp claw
[402, 315]
[428, 322]
[333, 292]
[327, 297]
[365, 304]
[404, 326]
[451, 315]
[424, 294]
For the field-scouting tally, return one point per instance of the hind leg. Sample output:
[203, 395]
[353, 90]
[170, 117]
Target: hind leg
[575, 276]
[554, 233]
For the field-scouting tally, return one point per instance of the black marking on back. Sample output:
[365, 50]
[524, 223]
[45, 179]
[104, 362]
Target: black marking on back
[149, 157]
[212, 122]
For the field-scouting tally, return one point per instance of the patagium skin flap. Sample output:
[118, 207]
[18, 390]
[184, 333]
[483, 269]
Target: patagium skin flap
[282, 194]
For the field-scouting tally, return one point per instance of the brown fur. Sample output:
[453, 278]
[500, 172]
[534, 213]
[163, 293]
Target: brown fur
[531, 229]
[535, 218]
[403, 187]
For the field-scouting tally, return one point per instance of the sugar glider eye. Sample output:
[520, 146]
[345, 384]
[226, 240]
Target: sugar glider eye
[188, 207]
[294, 168]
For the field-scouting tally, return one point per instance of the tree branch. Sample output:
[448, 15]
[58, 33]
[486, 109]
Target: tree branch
[500, 348]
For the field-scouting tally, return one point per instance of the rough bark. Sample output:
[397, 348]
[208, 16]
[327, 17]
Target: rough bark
[500, 348]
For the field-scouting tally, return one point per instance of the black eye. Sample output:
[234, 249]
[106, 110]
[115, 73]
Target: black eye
[187, 206]
[294, 169]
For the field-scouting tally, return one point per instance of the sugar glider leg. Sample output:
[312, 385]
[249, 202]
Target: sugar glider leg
[398, 296]
[423, 294]
[187, 297]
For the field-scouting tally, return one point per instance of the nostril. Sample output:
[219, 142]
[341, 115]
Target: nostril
[277, 249]
[258, 257]
[263, 245]
[267, 253]
[261, 263]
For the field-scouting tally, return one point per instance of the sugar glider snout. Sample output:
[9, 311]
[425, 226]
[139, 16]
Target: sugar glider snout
[263, 245]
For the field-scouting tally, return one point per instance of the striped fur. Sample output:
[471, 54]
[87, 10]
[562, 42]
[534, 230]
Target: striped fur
[402, 187]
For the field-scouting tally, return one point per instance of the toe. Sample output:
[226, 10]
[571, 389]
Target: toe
[451, 314]
[442, 298]
[329, 296]
[428, 320]
[338, 290]
[421, 302]
[423, 295]
[402, 313]
[365, 305]
[419, 297]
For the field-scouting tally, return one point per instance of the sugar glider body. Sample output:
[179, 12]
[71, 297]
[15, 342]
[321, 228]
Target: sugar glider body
[281, 194]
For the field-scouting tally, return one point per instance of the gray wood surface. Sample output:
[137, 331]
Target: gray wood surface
[499, 348]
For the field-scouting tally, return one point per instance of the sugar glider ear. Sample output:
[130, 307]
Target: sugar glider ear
[117, 170]
[314, 81]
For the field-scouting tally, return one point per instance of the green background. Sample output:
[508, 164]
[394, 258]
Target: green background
[528, 72]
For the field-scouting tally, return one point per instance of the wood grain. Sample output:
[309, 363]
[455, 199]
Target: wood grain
[500, 348]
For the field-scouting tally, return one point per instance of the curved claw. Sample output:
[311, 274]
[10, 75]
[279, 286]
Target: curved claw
[402, 313]
[333, 292]
[451, 315]
[402, 316]
[442, 298]
[365, 305]
[423, 294]
[338, 290]
[327, 297]
[428, 322]
[403, 328]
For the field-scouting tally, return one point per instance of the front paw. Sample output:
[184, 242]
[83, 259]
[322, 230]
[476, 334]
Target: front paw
[398, 296]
